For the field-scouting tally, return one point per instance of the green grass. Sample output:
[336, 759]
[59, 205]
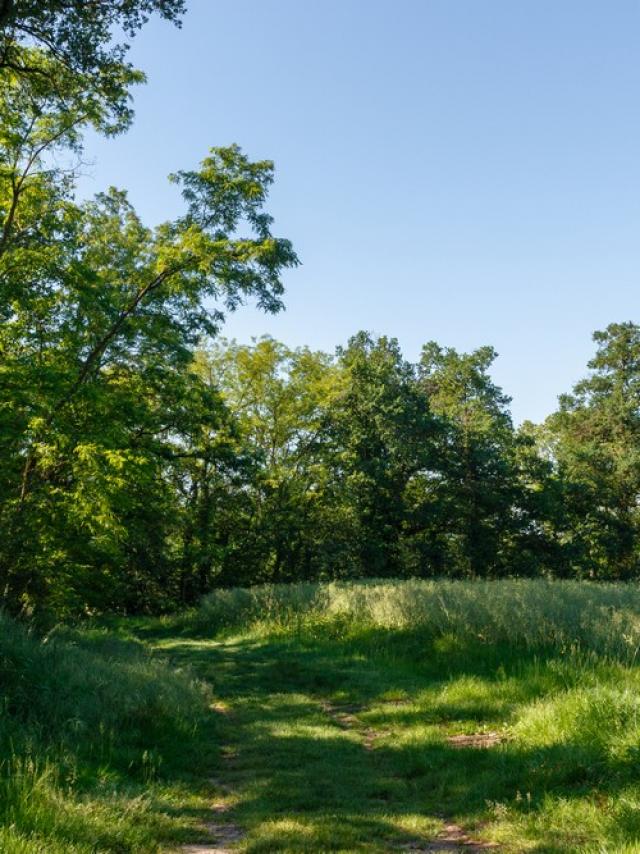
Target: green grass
[98, 745]
[317, 718]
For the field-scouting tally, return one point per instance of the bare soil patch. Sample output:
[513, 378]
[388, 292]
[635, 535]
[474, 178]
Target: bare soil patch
[476, 739]
[221, 836]
[452, 838]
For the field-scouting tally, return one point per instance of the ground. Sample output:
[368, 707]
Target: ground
[350, 717]
[333, 746]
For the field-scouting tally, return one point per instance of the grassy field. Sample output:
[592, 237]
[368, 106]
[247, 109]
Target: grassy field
[411, 716]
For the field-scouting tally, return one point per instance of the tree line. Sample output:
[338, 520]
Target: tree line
[145, 460]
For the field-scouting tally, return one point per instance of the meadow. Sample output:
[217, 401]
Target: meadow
[373, 716]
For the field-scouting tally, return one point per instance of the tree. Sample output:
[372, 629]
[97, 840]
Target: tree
[75, 38]
[279, 398]
[210, 474]
[382, 433]
[596, 442]
[475, 492]
[101, 408]
[94, 350]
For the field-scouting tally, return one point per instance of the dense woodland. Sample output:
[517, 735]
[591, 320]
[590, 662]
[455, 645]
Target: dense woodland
[145, 460]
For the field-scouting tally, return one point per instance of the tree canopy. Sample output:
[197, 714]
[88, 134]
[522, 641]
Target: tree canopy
[145, 460]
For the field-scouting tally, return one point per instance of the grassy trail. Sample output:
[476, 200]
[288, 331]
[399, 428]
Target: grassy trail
[377, 717]
[318, 755]
[329, 744]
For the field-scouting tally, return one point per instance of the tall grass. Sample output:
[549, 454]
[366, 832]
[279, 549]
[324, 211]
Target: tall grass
[564, 615]
[86, 722]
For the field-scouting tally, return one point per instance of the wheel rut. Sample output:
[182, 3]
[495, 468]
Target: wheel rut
[452, 837]
[220, 834]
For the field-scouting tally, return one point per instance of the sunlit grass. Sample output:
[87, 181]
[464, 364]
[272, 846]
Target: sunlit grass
[549, 666]
[318, 716]
[567, 615]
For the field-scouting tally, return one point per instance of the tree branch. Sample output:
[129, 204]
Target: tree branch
[88, 364]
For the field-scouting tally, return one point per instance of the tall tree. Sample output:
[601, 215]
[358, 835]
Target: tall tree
[596, 441]
[383, 436]
[279, 398]
[94, 350]
[476, 489]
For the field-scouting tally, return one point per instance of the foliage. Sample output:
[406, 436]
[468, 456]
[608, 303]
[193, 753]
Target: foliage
[596, 441]
[383, 436]
[478, 482]
[144, 461]
[268, 525]
[167, 472]
[97, 374]
[49, 44]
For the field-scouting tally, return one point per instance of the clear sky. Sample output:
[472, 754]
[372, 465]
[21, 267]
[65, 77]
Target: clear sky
[460, 170]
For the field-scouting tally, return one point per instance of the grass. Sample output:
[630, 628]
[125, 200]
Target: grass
[319, 718]
[97, 744]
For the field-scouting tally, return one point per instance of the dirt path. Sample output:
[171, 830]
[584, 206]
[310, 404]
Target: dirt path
[220, 834]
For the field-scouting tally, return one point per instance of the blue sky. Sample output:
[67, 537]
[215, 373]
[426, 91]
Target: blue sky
[454, 170]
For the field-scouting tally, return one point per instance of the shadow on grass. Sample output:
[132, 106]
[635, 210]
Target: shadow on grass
[306, 783]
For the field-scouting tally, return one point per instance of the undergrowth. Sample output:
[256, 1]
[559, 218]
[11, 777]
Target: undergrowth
[94, 732]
